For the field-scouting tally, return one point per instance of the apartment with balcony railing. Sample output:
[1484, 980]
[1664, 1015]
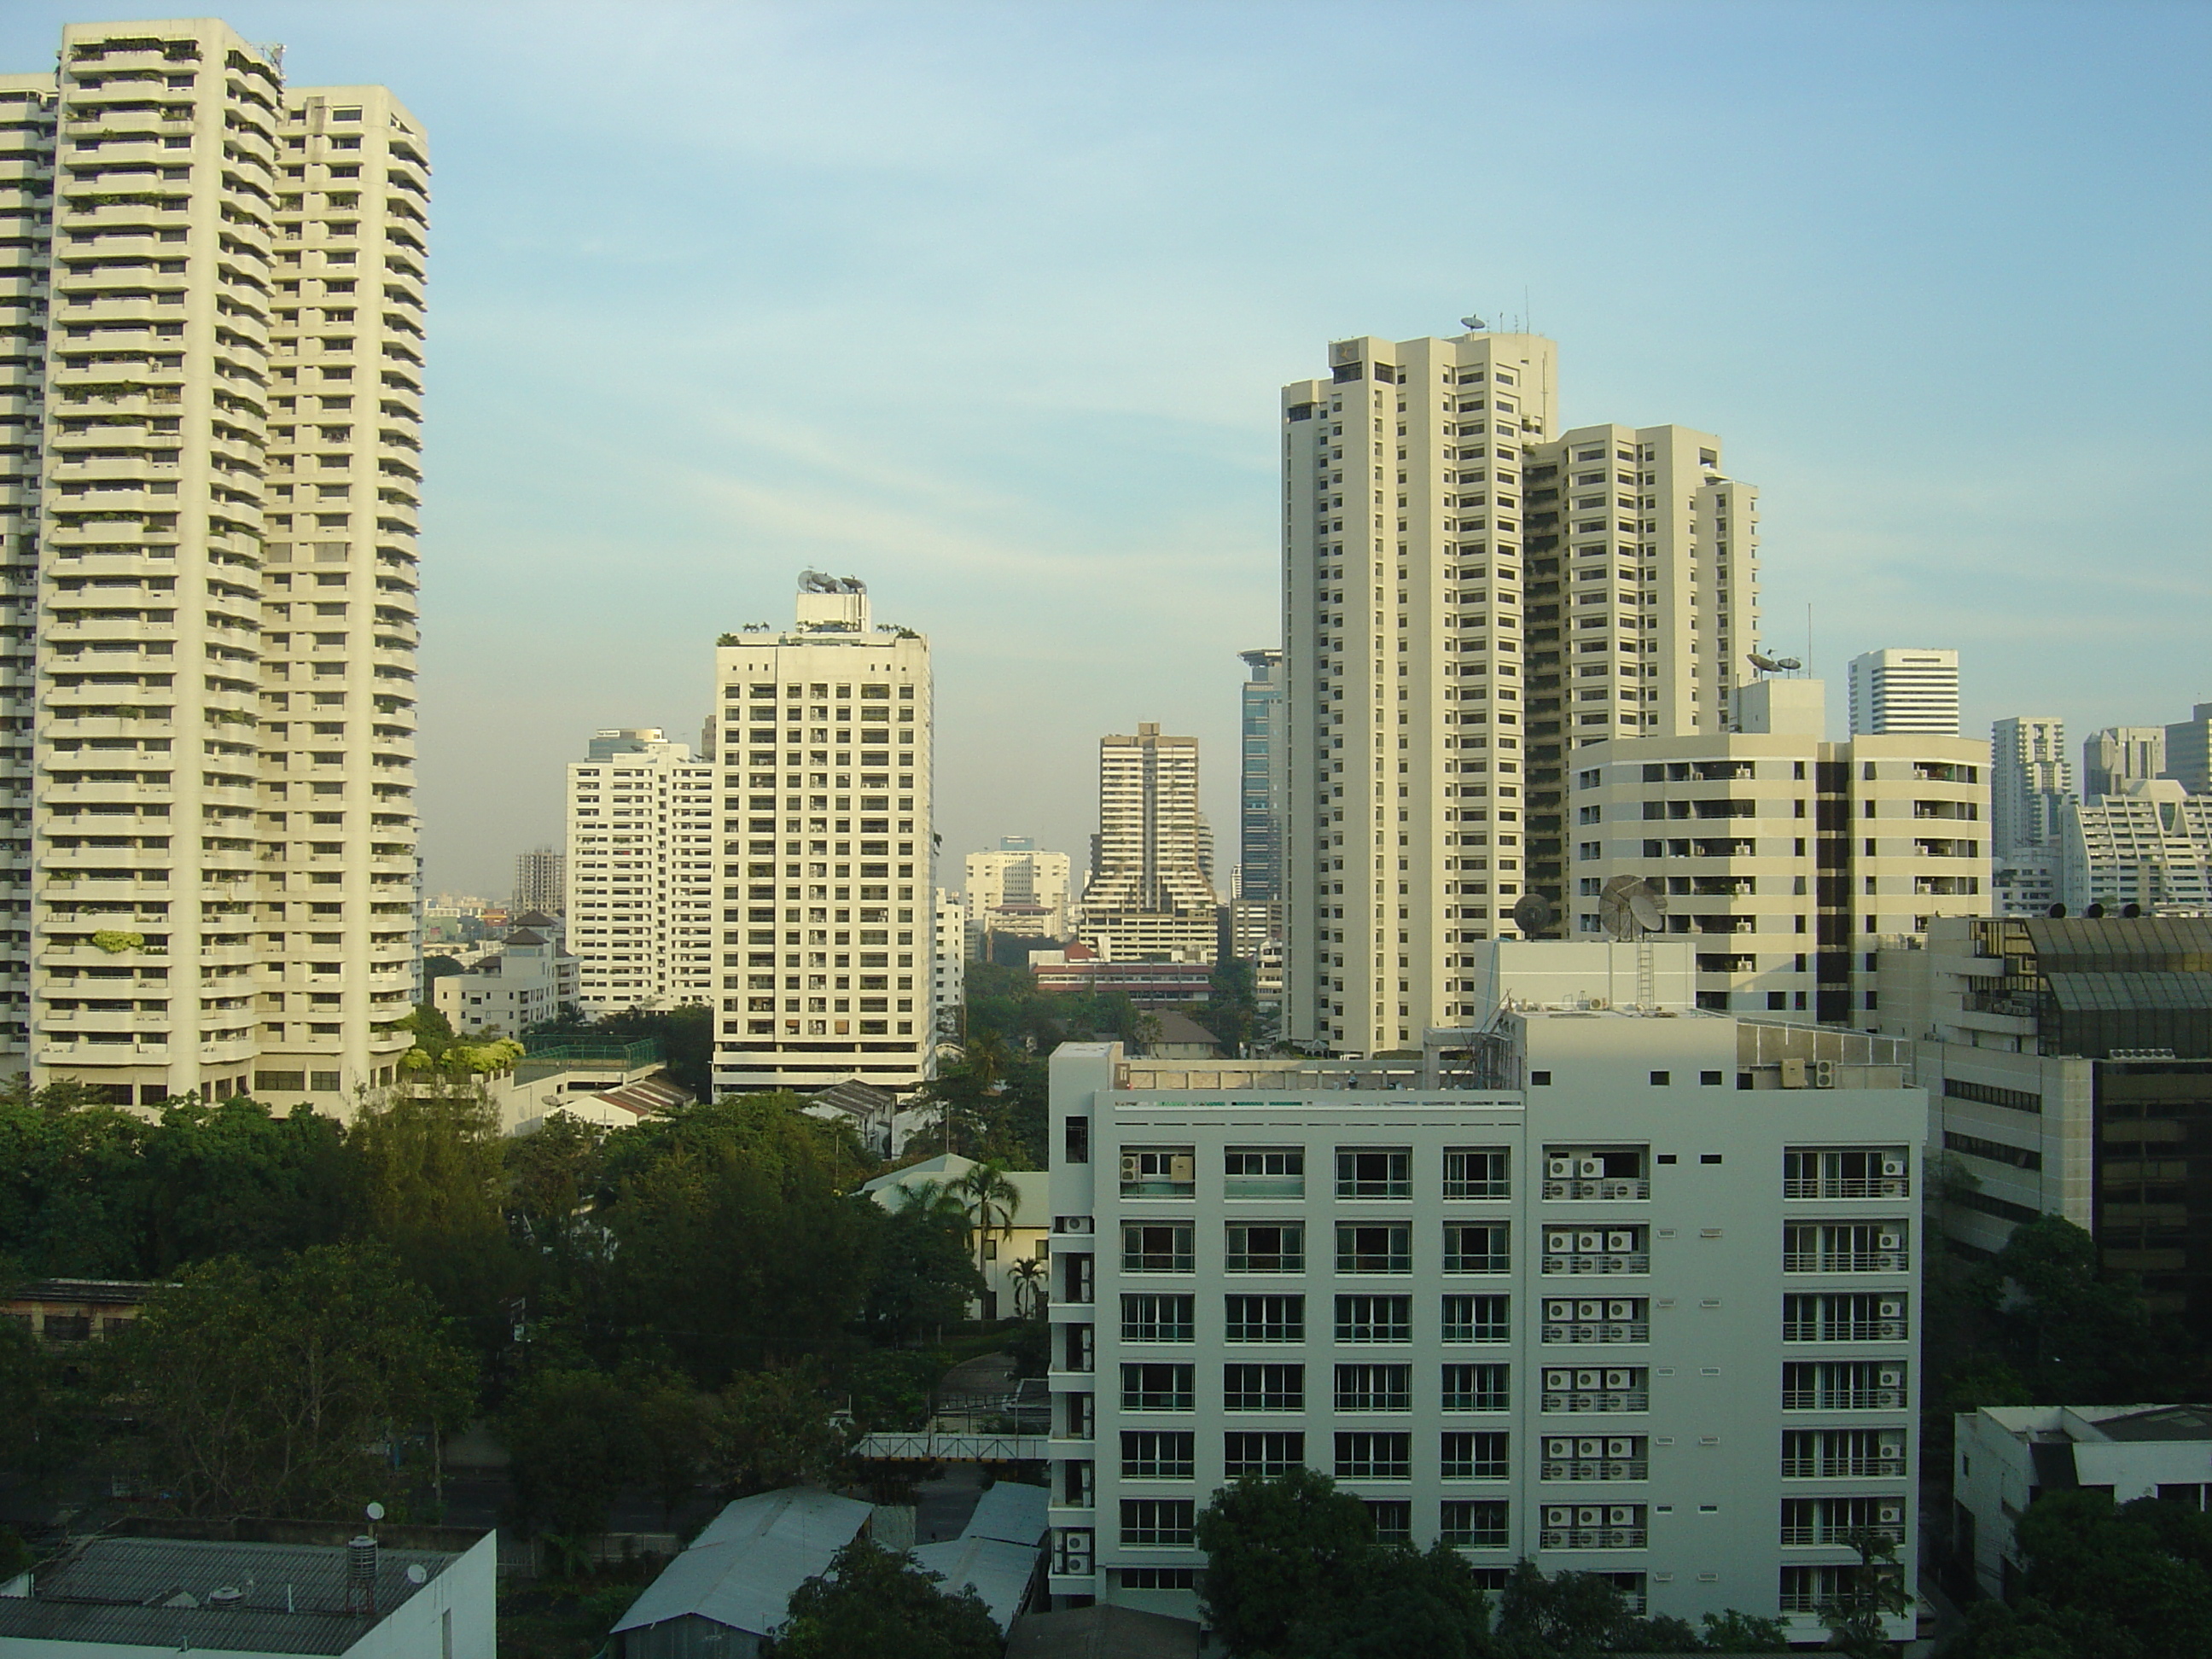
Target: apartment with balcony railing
[210, 537]
[1626, 1292]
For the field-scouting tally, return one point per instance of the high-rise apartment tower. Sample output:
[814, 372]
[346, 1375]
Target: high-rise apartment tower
[211, 557]
[641, 866]
[1472, 594]
[826, 862]
[2189, 750]
[2031, 780]
[1904, 692]
[1150, 898]
[541, 881]
[2121, 754]
[1018, 890]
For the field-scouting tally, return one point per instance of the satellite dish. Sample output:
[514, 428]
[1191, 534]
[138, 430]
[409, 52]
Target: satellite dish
[1532, 915]
[1630, 907]
[375, 1511]
[1788, 665]
[1473, 325]
[417, 1573]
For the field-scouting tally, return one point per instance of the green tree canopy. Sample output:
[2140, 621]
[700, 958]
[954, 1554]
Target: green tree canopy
[576, 1441]
[874, 1603]
[1278, 1550]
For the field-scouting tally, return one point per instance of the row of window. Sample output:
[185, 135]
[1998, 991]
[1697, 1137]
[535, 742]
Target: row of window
[1172, 1317]
[1170, 1454]
[1483, 1247]
[1483, 1523]
[1483, 1455]
[1172, 1386]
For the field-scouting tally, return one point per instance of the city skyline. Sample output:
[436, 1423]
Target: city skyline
[803, 343]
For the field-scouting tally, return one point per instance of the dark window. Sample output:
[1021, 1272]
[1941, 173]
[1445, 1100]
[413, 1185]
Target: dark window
[1265, 1455]
[1156, 1388]
[1471, 1455]
[1157, 1454]
[1472, 1523]
[1263, 1387]
[1474, 1388]
[1375, 1455]
[1265, 1318]
[1160, 1521]
[1079, 1141]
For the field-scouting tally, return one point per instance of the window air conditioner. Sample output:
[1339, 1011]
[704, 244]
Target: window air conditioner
[1589, 1242]
[1589, 1515]
[1889, 1514]
[1889, 1308]
[1590, 1379]
[1559, 1515]
[1892, 1166]
[1558, 1379]
[1558, 1243]
[1620, 1309]
[1559, 1448]
[1620, 1446]
[1621, 1515]
[1889, 1241]
[1590, 1448]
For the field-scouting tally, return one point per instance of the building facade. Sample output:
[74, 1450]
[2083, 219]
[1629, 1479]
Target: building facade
[1908, 692]
[1621, 1301]
[1151, 897]
[2031, 782]
[948, 966]
[2148, 844]
[211, 557]
[826, 906]
[1020, 890]
[2120, 755]
[1263, 799]
[541, 881]
[2189, 750]
[531, 981]
[640, 867]
[1471, 594]
[1788, 859]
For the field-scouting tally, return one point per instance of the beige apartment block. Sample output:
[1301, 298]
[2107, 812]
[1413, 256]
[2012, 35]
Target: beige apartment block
[1471, 594]
[217, 557]
[1150, 898]
[641, 862]
[1018, 890]
[826, 865]
[1788, 859]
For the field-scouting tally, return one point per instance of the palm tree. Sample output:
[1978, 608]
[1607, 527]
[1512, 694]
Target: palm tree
[1028, 1275]
[993, 1201]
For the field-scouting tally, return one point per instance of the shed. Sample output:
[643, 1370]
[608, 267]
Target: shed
[733, 1587]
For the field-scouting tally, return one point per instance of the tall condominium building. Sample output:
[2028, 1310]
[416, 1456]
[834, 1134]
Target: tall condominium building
[2031, 780]
[1018, 892]
[1471, 595]
[1904, 691]
[2149, 843]
[2189, 750]
[640, 875]
[1150, 898]
[1633, 1293]
[948, 965]
[208, 542]
[1787, 858]
[1261, 809]
[541, 881]
[2121, 754]
[826, 869]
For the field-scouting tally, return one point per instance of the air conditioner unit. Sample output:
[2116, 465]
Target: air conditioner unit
[1620, 1309]
[1590, 1379]
[1590, 1448]
[1824, 1074]
[1621, 1515]
[1558, 1243]
[1889, 1308]
[1591, 1515]
[1620, 1447]
[1558, 1379]
[1589, 1169]
[1889, 1514]
[1892, 1167]
[1560, 1168]
[1183, 1168]
[1890, 1377]
[1128, 1168]
[1619, 1189]
[1559, 1448]
[1618, 1379]
[1589, 1242]
[1559, 1310]
[1889, 1241]
[1793, 1073]
[1622, 1240]
[1559, 1515]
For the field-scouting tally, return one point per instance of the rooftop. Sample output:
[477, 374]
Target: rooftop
[741, 1570]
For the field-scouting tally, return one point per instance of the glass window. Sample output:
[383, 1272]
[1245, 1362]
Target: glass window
[1470, 1454]
[1370, 1247]
[1158, 1318]
[1267, 1247]
[1393, 1518]
[1374, 1388]
[1476, 1247]
[1261, 1454]
[1476, 1172]
[1263, 1387]
[1264, 1172]
[1157, 1454]
[1266, 1318]
[1156, 1388]
[1477, 1523]
[1375, 1319]
[1375, 1455]
[1157, 1247]
[1374, 1172]
[1158, 1521]
[1474, 1388]
[1477, 1319]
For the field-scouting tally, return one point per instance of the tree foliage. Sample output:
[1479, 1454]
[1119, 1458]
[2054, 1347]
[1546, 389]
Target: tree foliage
[874, 1603]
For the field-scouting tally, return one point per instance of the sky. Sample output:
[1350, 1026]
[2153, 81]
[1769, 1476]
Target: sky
[989, 304]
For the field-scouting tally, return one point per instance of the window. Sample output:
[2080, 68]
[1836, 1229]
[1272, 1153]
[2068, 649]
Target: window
[1374, 1172]
[1393, 1519]
[1816, 1590]
[1837, 1520]
[1374, 1388]
[1267, 1247]
[1154, 1578]
[1157, 1318]
[1846, 1316]
[1847, 1247]
[1079, 1141]
[1263, 1387]
[1157, 1454]
[1372, 1454]
[1265, 1318]
[1475, 1172]
[1471, 1455]
[1476, 1247]
[1157, 1521]
[1156, 1388]
[1474, 1388]
[1158, 1172]
[1857, 1172]
[1843, 1385]
[1156, 1247]
[1471, 1523]
[1374, 1247]
[1264, 1172]
[1596, 1389]
[1375, 1319]
[1265, 1455]
[1476, 1319]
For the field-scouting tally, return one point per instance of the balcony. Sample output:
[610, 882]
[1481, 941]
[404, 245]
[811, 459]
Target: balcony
[1846, 1261]
[1595, 1468]
[1634, 1330]
[1810, 1469]
[1595, 1400]
[1607, 1187]
[1837, 1399]
[1594, 1538]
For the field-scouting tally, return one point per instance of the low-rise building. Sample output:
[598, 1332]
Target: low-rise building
[1080, 969]
[1625, 1291]
[725, 1595]
[75, 1309]
[1025, 1236]
[2007, 1456]
[2148, 844]
[531, 981]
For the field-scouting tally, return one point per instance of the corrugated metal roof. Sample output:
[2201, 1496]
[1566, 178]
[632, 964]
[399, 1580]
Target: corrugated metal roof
[996, 1571]
[742, 1568]
[154, 1592]
[1010, 1512]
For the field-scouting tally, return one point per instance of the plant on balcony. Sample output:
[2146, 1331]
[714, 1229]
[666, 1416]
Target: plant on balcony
[115, 941]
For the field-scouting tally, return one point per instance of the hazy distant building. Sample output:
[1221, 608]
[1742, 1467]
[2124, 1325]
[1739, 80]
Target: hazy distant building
[2121, 754]
[541, 881]
[640, 874]
[1904, 692]
[1150, 898]
[1018, 890]
[2189, 750]
[2031, 780]
[611, 740]
[2149, 844]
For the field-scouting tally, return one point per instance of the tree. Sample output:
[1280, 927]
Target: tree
[432, 1181]
[919, 1274]
[268, 1390]
[2074, 1334]
[675, 1425]
[576, 1441]
[71, 1191]
[874, 1603]
[1232, 1008]
[773, 1428]
[233, 1179]
[1029, 1277]
[1570, 1614]
[992, 1201]
[1398, 1605]
[1276, 1550]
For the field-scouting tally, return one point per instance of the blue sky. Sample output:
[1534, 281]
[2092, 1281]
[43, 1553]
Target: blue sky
[988, 305]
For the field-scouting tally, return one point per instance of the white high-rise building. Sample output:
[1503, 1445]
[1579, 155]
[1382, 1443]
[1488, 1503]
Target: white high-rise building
[1150, 898]
[2031, 780]
[640, 864]
[1018, 890]
[1614, 1291]
[2148, 844]
[211, 880]
[540, 882]
[948, 966]
[2121, 754]
[825, 759]
[1904, 691]
[1471, 595]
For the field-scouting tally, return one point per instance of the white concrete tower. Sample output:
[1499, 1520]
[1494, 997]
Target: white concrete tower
[1905, 692]
[1470, 595]
[232, 400]
[2031, 782]
[642, 876]
[827, 878]
[1150, 898]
